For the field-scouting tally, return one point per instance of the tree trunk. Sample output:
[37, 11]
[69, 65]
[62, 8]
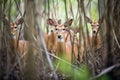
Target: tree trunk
[113, 37]
[30, 68]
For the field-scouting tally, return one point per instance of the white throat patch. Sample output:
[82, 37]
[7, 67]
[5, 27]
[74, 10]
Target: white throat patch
[61, 40]
[14, 36]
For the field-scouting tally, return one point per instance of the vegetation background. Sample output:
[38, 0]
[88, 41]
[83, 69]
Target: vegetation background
[103, 64]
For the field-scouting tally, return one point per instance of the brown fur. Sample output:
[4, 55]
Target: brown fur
[94, 40]
[63, 47]
[20, 45]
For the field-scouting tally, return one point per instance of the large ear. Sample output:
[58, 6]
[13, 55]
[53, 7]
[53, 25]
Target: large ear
[51, 22]
[20, 21]
[16, 23]
[101, 19]
[88, 20]
[68, 22]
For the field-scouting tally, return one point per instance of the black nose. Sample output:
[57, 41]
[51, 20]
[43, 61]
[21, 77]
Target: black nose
[51, 30]
[59, 36]
[94, 32]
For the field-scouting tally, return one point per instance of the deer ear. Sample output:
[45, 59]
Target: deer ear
[88, 20]
[68, 22]
[101, 19]
[50, 22]
[20, 21]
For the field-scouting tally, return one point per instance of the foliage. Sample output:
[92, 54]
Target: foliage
[58, 9]
[73, 72]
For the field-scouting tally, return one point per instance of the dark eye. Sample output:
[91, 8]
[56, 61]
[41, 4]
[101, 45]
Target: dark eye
[56, 29]
[51, 30]
[64, 29]
[15, 27]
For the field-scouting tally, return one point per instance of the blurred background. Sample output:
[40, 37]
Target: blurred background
[27, 20]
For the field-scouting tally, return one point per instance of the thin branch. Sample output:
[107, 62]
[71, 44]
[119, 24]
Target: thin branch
[116, 38]
[66, 9]
[71, 9]
[45, 49]
[66, 62]
[105, 71]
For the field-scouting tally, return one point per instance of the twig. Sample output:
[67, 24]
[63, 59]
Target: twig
[116, 38]
[106, 71]
[65, 62]
[45, 49]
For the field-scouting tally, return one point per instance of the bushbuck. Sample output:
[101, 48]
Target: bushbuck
[62, 37]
